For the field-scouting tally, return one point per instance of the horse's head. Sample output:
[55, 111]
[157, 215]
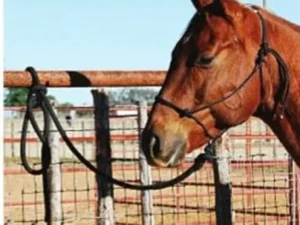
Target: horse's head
[214, 57]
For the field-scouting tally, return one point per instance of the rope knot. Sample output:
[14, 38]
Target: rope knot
[38, 88]
[208, 155]
[262, 53]
[265, 48]
[185, 113]
[38, 92]
[157, 99]
[209, 152]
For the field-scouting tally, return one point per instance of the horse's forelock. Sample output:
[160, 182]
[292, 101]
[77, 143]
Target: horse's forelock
[191, 27]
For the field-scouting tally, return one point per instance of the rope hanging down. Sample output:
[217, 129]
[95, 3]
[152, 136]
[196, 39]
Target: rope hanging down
[37, 98]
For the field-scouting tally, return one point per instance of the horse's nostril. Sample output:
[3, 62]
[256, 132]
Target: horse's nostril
[155, 146]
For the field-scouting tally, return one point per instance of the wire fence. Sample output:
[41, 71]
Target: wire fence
[265, 182]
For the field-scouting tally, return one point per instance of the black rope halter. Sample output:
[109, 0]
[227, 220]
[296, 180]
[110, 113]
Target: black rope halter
[262, 53]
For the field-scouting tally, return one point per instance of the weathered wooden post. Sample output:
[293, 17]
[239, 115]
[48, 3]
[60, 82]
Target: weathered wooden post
[54, 175]
[105, 207]
[145, 171]
[222, 178]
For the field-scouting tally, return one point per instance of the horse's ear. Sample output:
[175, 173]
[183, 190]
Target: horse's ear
[200, 4]
[226, 7]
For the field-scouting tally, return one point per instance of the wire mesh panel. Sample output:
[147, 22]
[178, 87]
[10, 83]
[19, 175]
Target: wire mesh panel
[186, 203]
[261, 176]
[265, 188]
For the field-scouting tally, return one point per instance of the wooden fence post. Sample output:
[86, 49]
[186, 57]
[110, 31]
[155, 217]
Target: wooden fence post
[105, 207]
[145, 170]
[222, 178]
[54, 175]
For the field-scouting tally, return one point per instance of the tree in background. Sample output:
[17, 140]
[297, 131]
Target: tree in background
[129, 96]
[125, 96]
[51, 98]
[66, 104]
[15, 96]
[18, 96]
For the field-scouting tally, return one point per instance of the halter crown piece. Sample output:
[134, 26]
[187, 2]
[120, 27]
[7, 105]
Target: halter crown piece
[264, 50]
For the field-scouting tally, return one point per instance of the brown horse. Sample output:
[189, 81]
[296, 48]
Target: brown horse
[233, 62]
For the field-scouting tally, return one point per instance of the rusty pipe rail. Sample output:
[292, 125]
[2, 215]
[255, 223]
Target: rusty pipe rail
[18, 79]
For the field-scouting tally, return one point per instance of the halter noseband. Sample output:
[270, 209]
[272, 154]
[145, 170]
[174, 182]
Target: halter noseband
[262, 53]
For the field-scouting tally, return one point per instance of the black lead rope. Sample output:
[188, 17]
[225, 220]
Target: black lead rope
[35, 100]
[38, 93]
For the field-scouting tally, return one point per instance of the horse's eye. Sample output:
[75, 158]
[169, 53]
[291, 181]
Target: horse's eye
[205, 61]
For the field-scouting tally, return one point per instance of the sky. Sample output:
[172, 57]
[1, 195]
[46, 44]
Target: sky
[100, 35]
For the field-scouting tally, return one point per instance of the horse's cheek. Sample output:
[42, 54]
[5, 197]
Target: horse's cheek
[231, 113]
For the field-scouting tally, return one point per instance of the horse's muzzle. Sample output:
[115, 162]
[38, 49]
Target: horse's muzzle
[163, 152]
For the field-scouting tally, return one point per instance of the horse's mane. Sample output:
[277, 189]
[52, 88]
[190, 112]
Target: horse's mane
[198, 18]
[281, 20]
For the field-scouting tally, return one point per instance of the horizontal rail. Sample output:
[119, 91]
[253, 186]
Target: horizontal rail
[237, 192]
[252, 136]
[76, 108]
[127, 199]
[132, 137]
[115, 137]
[17, 79]
[130, 167]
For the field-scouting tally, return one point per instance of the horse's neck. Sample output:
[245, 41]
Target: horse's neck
[293, 26]
[288, 128]
[283, 128]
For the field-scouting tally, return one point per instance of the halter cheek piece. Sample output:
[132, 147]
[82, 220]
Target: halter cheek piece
[264, 50]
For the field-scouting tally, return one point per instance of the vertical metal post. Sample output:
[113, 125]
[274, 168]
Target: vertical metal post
[265, 3]
[12, 130]
[54, 176]
[105, 207]
[145, 171]
[294, 195]
[248, 169]
[297, 194]
[222, 178]
[83, 144]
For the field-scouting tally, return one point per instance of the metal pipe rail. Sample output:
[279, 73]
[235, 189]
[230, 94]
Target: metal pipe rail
[19, 79]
